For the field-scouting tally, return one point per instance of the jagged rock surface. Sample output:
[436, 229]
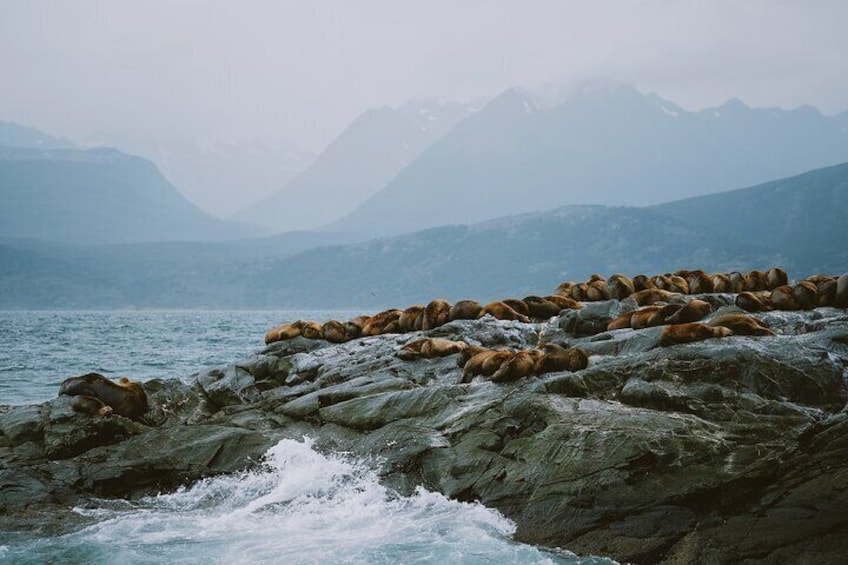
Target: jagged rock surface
[723, 451]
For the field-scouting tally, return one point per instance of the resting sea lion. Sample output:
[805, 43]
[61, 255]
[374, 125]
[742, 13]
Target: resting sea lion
[754, 301]
[436, 313]
[519, 306]
[335, 332]
[430, 348]
[805, 294]
[382, 322]
[90, 405]
[521, 365]
[597, 291]
[126, 398]
[284, 331]
[740, 324]
[692, 311]
[826, 293]
[501, 311]
[699, 281]
[465, 310]
[312, 330]
[541, 308]
[619, 287]
[653, 295]
[776, 277]
[485, 363]
[782, 298]
[623, 321]
[755, 281]
[412, 319]
[651, 316]
[563, 302]
[721, 283]
[818, 279]
[564, 289]
[642, 282]
[579, 292]
[595, 277]
[841, 300]
[737, 281]
[687, 333]
[558, 358]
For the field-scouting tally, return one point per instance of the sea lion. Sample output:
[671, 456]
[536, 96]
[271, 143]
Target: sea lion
[468, 353]
[653, 295]
[699, 281]
[687, 333]
[776, 277]
[782, 298]
[594, 277]
[619, 286]
[692, 311]
[501, 311]
[541, 308]
[754, 301]
[284, 332]
[519, 306]
[125, 398]
[90, 405]
[564, 302]
[642, 282]
[557, 358]
[312, 330]
[737, 282]
[522, 364]
[597, 291]
[429, 348]
[485, 363]
[740, 324]
[650, 316]
[621, 322]
[382, 322]
[579, 292]
[841, 300]
[826, 293]
[721, 283]
[818, 279]
[564, 289]
[334, 332]
[411, 319]
[465, 310]
[805, 294]
[436, 313]
[755, 281]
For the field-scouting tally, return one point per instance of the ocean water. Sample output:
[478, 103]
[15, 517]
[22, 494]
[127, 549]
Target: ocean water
[299, 507]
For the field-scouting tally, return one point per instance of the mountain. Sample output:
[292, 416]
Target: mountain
[15, 135]
[358, 163]
[97, 196]
[604, 143]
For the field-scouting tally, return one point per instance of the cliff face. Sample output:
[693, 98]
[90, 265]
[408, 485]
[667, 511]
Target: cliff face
[725, 450]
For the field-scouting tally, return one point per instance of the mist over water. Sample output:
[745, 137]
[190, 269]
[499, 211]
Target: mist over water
[298, 507]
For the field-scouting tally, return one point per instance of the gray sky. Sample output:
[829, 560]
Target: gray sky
[300, 71]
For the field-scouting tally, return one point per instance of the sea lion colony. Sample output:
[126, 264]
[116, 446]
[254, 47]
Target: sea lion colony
[661, 300]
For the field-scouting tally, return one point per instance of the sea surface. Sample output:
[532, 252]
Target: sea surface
[301, 506]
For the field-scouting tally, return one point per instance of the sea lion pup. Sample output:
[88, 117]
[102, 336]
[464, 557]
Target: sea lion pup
[754, 301]
[429, 348]
[312, 330]
[411, 319]
[284, 331]
[436, 313]
[826, 293]
[841, 300]
[541, 308]
[501, 311]
[695, 331]
[579, 292]
[642, 282]
[335, 332]
[519, 306]
[619, 286]
[721, 283]
[564, 289]
[740, 324]
[485, 363]
[564, 302]
[737, 281]
[465, 310]
[90, 405]
[597, 291]
[522, 364]
[776, 277]
[782, 298]
[653, 295]
[557, 358]
[699, 281]
[126, 398]
[382, 323]
[755, 281]
[805, 294]
[692, 311]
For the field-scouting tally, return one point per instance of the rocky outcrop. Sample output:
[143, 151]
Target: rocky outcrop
[722, 451]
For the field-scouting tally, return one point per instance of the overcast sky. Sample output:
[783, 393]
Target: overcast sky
[301, 70]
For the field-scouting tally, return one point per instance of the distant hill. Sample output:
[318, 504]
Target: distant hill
[796, 223]
[15, 135]
[604, 143]
[97, 196]
[363, 159]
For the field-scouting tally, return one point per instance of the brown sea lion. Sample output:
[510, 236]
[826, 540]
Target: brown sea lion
[755, 281]
[826, 293]
[776, 277]
[430, 348]
[818, 279]
[564, 289]
[468, 353]
[841, 300]
[411, 319]
[805, 294]
[382, 322]
[782, 298]
[519, 306]
[642, 282]
[597, 291]
[436, 313]
[619, 286]
[594, 277]
[699, 282]
[653, 295]
[541, 308]
[284, 331]
[90, 405]
[579, 292]
[485, 363]
[312, 330]
[334, 331]
[521, 365]
[721, 283]
[650, 316]
[465, 310]
[737, 281]
[692, 311]
[557, 358]
[501, 311]
[754, 301]
[621, 322]
[126, 398]
[687, 333]
[564, 302]
[740, 324]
